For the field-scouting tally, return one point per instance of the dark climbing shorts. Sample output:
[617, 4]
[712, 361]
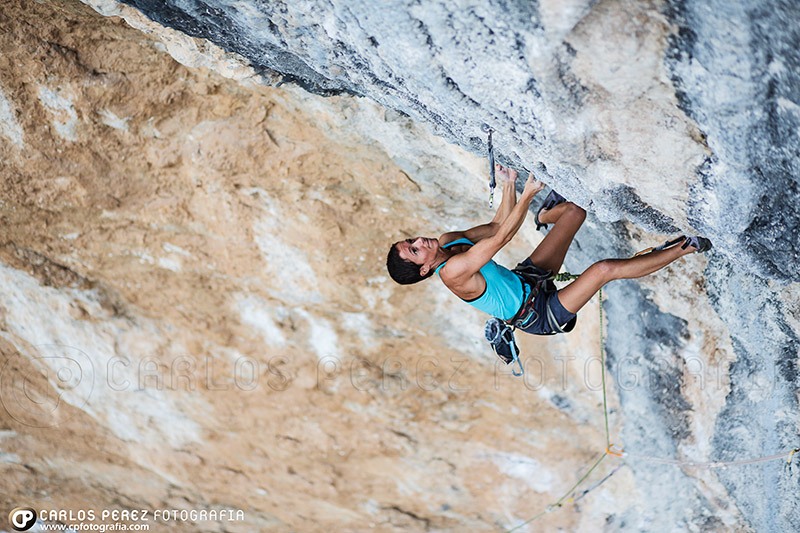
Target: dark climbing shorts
[542, 312]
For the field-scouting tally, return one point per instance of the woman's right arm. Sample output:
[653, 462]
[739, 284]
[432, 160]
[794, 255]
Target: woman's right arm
[509, 178]
[460, 269]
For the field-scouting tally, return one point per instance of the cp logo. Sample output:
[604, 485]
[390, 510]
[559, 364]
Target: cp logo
[22, 518]
[36, 388]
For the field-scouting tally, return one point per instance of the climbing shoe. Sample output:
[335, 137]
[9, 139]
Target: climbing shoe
[552, 200]
[700, 243]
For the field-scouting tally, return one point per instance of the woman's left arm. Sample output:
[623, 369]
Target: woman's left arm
[509, 195]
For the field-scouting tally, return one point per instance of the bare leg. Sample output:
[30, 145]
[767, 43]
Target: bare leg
[580, 291]
[550, 253]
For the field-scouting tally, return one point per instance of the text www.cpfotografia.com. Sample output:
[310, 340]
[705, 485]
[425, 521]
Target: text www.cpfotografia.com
[24, 518]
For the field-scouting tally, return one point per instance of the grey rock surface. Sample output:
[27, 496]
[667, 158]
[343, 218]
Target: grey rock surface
[673, 116]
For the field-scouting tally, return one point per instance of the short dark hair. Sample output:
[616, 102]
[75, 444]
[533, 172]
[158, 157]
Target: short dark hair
[401, 270]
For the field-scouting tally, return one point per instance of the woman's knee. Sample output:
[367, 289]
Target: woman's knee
[576, 211]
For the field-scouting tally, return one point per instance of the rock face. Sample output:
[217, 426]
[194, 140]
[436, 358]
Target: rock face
[165, 224]
[637, 108]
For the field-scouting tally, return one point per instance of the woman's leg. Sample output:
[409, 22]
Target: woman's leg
[580, 291]
[567, 218]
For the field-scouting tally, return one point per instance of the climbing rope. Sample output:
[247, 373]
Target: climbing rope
[565, 276]
[596, 484]
[611, 449]
[716, 464]
[603, 372]
[553, 506]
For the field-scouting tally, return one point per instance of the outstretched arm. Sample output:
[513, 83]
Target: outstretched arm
[460, 272]
[508, 177]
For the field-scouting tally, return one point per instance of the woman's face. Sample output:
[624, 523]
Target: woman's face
[419, 250]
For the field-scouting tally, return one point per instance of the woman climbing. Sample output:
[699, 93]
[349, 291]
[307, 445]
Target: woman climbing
[524, 298]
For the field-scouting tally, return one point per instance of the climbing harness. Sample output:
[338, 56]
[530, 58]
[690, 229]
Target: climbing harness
[500, 333]
[492, 181]
[613, 450]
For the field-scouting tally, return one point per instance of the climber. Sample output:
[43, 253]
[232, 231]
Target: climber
[524, 297]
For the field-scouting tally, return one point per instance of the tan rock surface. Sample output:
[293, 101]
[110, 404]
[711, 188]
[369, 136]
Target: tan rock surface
[196, 314]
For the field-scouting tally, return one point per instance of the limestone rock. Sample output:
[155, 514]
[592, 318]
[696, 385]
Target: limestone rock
[195, 305]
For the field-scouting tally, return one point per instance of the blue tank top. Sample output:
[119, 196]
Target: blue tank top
[503, 295]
